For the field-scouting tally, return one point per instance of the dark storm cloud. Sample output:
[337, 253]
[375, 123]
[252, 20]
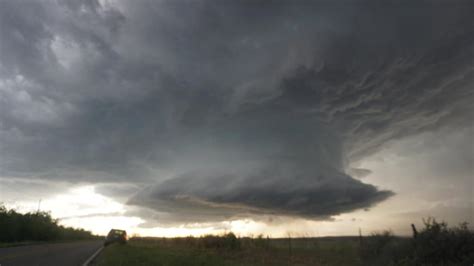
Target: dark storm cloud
[227, 109]
[273, 191]
[26, 189]
[359, 172]
[118, 191]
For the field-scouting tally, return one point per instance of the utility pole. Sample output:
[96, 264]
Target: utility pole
[39, 205]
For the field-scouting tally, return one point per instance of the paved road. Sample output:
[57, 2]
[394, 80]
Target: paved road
[61, 254]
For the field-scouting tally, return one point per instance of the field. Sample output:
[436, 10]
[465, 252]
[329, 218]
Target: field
[436, 244]
[256, 251]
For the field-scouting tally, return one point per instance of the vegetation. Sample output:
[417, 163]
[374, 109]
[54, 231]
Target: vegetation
[230, 250]
[149, 252]
[435, 244]
[38, 226]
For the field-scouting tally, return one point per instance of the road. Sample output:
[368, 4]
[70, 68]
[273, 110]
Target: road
[61, 254]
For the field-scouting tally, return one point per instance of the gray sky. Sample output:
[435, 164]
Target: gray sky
[207, 112]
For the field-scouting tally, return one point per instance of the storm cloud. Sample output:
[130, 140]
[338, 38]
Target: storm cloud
[230, 109]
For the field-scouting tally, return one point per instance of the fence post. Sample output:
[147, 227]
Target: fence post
[415, 232]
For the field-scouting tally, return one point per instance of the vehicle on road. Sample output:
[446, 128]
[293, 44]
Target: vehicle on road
[116, 236]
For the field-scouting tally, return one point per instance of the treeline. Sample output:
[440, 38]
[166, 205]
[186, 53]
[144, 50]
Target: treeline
[37, 226]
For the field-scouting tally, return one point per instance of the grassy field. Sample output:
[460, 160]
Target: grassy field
[138, 252]
[436, 244]
[257, 251]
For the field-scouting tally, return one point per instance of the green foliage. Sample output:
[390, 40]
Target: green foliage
[39, 226]
[435, 244]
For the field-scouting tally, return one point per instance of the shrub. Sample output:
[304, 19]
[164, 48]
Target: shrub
[437, 243]
[227, 241]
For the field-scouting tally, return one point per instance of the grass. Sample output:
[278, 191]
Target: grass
[138, 252]
[435, 245]
[252, 252]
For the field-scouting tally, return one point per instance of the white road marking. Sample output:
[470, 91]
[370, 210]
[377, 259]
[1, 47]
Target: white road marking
[89, 260]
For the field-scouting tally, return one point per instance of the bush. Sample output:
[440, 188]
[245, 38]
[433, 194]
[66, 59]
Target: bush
[227, 241]
[437, 243]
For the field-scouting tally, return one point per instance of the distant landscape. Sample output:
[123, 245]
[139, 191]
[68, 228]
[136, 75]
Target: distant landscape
[435, 244]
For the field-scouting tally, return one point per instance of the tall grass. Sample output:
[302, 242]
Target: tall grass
[37, 226]
[233, 250]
